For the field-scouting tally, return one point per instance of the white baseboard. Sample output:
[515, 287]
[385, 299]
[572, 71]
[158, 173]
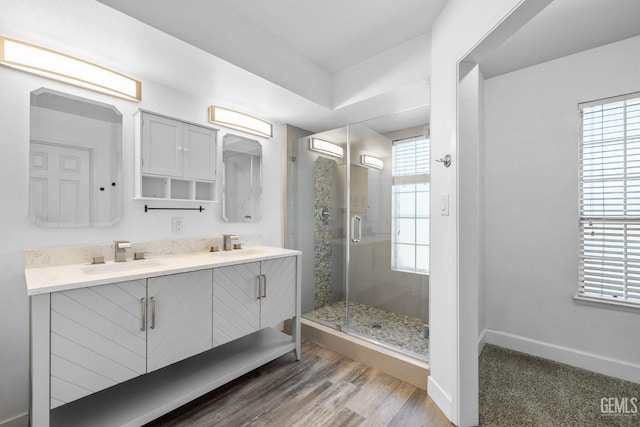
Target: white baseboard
[482, 340]
[569, 356]
[19, 421]
[442, 399]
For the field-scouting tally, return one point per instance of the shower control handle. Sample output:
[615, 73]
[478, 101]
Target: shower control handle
[355, 239]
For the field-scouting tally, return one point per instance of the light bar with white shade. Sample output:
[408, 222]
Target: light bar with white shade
[326, 147]
[240, 121]
[68, 69]
[372, 162]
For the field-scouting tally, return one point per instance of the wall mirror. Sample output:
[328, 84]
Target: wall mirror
[75, 160]
[242, 179]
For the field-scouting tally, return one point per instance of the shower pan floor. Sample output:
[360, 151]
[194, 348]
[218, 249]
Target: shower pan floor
[396, 330]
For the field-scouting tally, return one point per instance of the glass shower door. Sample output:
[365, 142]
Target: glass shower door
[369, 225]
[386, 302]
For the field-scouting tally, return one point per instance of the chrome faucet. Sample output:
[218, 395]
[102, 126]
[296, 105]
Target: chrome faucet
[121, 250]
[227, 243]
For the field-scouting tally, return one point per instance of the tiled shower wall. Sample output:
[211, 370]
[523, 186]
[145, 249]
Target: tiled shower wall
[325, 173]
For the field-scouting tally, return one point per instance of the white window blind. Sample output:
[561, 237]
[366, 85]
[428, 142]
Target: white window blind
[410, 237]
[610, 199]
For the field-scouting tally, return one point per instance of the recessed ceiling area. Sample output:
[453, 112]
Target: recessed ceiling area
[312, 49]
[563, 28]
[332, 34]
[337, 34]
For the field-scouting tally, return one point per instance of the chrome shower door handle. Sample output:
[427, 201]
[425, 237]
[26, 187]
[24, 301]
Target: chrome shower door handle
[355, 239]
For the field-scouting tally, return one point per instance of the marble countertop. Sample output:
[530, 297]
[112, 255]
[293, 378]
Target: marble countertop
[72, 276]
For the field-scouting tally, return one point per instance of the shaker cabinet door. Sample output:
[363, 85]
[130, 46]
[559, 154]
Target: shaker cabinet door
[199, 153]
[162, 146]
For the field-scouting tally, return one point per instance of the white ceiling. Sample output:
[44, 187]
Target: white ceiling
[563, 28]
[332, 34]
[325, 63]
[336, 34]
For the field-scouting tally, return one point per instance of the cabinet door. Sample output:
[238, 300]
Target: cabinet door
[162, 145]
[279, 293]
[236, 307]
[178, 317]
[96, 339]
[199, 154]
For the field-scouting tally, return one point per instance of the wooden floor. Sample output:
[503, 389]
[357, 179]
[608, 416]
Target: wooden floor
[323, 389]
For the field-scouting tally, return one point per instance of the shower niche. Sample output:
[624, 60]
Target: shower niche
[365, 270]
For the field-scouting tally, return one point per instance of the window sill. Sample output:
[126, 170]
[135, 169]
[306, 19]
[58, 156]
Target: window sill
[605, 303]
[401, 270]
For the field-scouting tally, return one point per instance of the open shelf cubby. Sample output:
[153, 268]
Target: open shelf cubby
[167, 188]
[155, 187]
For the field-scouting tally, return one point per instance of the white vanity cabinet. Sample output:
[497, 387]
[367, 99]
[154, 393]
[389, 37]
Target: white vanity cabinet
[126, 352]
[179, 317]
[104, 335]
[174, 159]
[252, 296]
[236, 303]
[96, 339]
[278, 298]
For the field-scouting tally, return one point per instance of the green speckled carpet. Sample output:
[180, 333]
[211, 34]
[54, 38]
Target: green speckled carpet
[517, 389]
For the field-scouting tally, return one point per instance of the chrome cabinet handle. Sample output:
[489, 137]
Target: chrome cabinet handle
[143, 303]
[153, 312]
[355, 239]
[264, 286]
[259, 283]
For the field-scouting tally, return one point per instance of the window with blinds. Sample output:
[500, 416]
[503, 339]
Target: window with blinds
[410, 215]
[610, 200]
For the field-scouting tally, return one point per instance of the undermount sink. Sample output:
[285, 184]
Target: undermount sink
[119, 266]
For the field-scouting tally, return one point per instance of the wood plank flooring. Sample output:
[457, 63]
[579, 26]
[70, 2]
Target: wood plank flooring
[323, 389]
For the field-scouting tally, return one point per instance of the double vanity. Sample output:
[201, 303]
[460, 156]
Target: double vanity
[123, 343]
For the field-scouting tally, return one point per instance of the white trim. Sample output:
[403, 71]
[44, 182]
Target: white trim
[482, 340]
[606, 303]
[580, 359]
[608, 100]
[17, 421]
[440, 397]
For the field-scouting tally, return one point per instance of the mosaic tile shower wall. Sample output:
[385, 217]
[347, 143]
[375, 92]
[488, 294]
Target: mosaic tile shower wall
[325, 173]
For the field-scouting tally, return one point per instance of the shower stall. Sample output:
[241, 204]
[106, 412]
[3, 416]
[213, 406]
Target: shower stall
[358, 208]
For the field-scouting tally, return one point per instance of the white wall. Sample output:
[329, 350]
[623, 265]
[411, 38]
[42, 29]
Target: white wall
[532, 236]
[19, 234]
[460, 27]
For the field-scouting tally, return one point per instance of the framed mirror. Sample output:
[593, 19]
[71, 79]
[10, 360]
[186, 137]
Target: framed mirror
[241, 179]
[75, 161]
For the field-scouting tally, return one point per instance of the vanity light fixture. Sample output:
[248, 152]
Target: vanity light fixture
[326, 147]
[68, 69]
[240, 121]
[372, 162]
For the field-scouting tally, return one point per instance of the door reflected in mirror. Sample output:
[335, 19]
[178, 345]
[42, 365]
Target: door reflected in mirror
[242, 179]
[75, 156]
